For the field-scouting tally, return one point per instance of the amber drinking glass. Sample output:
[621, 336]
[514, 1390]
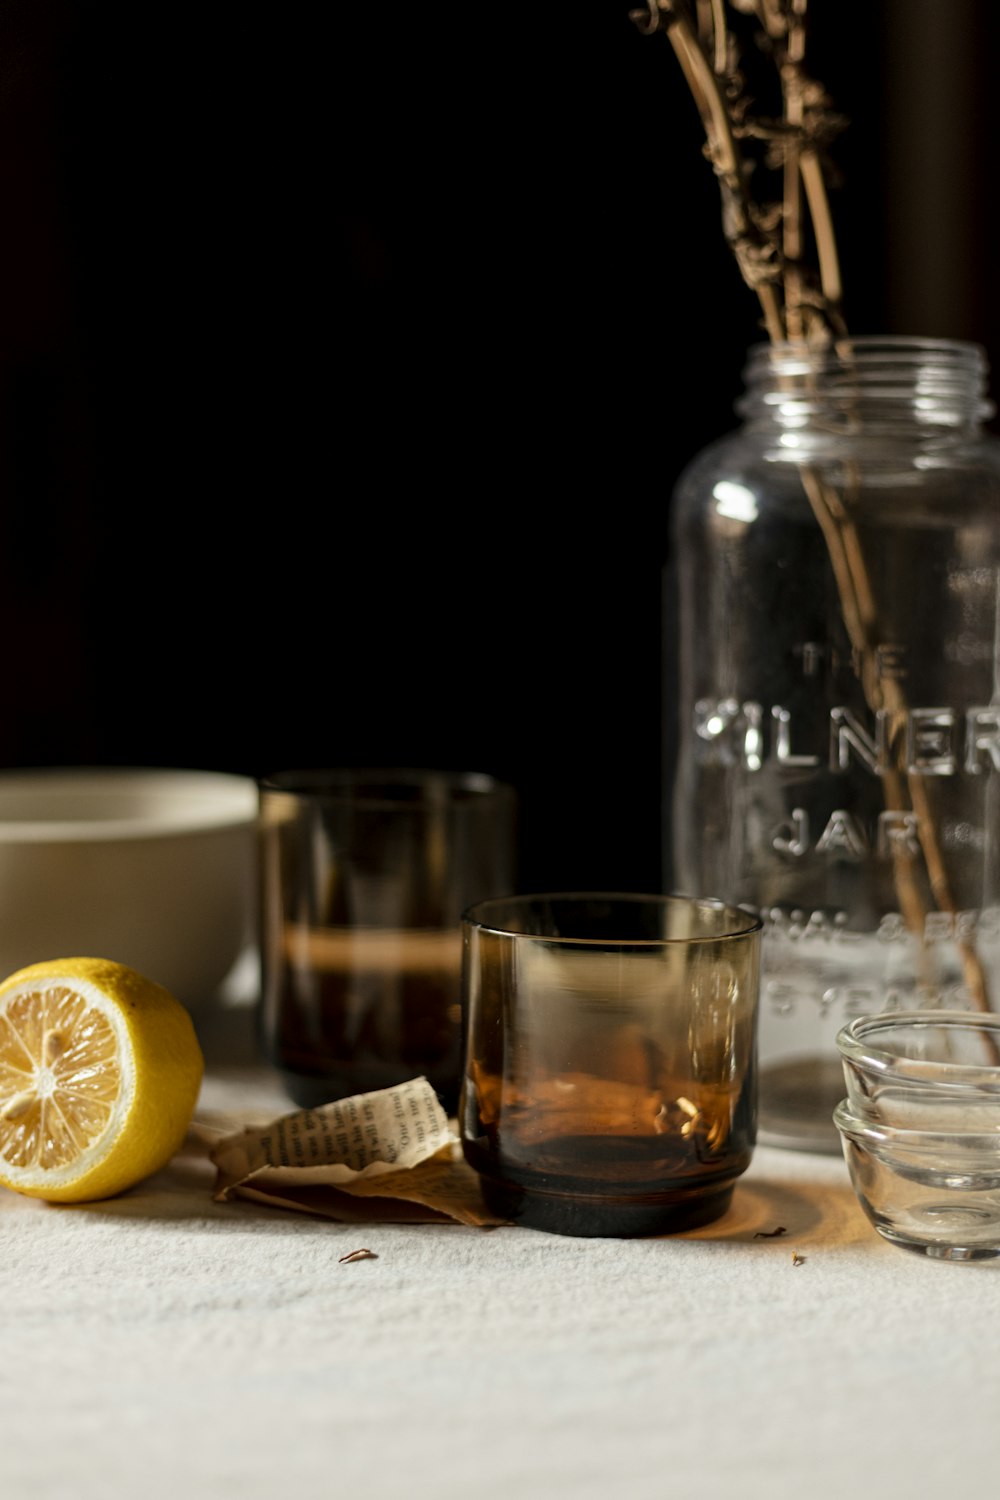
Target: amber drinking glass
[610, 1084]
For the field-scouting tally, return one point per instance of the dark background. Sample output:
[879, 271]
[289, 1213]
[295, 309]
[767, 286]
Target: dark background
[349, 354]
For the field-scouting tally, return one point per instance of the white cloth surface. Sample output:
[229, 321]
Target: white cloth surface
[165, 1345]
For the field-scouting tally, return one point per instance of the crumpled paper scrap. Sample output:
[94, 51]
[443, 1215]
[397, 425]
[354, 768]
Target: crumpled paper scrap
[384, 1157]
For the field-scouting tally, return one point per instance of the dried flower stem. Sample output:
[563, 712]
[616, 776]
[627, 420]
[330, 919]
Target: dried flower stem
[767, 240]
[740, 229]
[768, 243]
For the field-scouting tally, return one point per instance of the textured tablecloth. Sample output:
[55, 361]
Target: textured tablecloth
[162, 1344]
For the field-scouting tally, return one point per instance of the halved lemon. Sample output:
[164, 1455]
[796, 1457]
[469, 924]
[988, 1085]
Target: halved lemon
[100, 1070]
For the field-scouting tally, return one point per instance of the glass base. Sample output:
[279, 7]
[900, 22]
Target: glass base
[796, 1103]
[606, 1217]
[937, 1250]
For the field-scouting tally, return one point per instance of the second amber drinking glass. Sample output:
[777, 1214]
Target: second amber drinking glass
[365, 876]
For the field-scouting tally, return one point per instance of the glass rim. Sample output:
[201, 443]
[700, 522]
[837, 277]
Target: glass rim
[855, 1048]
[475, 917]
[873, 1133]
[368, 786]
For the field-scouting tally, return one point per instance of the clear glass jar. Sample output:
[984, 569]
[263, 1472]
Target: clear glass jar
[832, 604]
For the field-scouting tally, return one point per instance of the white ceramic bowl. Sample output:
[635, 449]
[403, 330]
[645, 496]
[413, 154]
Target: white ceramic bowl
[152, 868]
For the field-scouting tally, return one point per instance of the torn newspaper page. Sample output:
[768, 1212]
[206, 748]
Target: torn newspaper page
[389, 1156]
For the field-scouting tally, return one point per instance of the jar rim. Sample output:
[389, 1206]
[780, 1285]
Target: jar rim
[867, 380]
[868, 343]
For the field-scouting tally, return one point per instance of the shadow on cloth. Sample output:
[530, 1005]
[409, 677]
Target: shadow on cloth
[794, 1214]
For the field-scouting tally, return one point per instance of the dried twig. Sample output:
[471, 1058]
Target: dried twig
[802, 303]
[766, 234]
[860, 618]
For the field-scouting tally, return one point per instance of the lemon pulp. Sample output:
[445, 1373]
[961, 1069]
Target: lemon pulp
[60, 1078]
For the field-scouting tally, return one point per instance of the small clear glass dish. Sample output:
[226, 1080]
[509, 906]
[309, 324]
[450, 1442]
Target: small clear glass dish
[935, 1192]
[920, 1128]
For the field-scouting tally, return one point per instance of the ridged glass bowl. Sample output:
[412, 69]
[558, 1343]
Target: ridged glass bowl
[920, 1128]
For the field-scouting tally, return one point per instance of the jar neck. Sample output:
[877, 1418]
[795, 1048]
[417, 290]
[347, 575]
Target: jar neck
[924, 388]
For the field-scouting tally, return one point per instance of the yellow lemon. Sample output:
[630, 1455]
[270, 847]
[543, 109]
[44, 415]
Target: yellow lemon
[99, 1075]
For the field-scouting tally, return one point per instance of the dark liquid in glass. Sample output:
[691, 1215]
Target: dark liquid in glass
[613, 1184]
[379, 1010]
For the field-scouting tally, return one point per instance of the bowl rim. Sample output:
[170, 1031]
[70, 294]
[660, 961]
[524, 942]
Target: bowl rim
[874, 1133]
[856, 1050]
[194, 801]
